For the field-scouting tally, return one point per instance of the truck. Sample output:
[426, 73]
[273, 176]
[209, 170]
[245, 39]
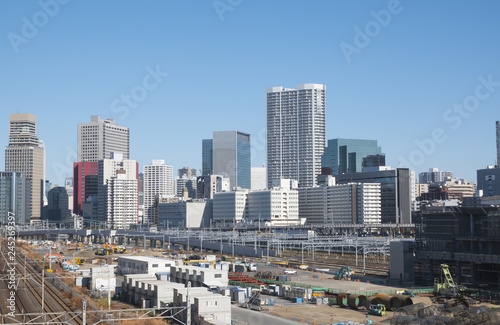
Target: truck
[252, 267]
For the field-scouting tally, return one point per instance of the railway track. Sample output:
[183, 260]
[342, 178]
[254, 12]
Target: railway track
[53, 303]
[370, 270]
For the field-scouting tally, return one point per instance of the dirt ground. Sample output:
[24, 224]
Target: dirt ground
[323, 314]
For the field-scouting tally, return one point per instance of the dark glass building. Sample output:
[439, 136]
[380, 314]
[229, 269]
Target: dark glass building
[346, 155]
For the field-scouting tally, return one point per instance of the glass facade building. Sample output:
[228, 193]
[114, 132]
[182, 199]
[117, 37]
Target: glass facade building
[231, 157]
[15, 197]
[206, 157]
[346, 155]
[395, 191]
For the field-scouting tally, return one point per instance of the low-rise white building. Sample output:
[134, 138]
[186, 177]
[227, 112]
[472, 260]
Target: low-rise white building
[204, 305]
[274, 207]
[199, 277]
[102, 279]
[186, 214]
[144, 265]
[230, 207]
[278, 206]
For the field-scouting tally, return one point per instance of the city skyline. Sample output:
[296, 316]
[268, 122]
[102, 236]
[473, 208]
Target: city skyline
[415, 86]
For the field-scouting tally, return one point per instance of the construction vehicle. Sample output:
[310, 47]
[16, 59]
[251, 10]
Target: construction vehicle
[377, 310]
[445, 286]
[79, 261]
[103, 251]
[120, 249]
[344, 273]
[252, 267]
[198, 262]
[56, 257]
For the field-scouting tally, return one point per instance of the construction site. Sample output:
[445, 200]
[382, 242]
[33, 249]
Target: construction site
[296, 279]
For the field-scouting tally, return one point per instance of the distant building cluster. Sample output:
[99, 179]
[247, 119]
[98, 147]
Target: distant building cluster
[306, 180]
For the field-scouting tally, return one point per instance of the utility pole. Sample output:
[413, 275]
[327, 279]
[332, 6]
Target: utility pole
[25, 267]
[43, 289]
[188, 305]
[84, 312]
[109, 289]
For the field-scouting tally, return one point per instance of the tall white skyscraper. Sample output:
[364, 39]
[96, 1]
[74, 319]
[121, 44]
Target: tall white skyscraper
[25, 153]
[99, 138]
[158, 180]
[118, 192]
[296, 135]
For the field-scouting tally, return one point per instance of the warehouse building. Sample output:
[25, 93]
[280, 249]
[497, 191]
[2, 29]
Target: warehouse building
[144, 265]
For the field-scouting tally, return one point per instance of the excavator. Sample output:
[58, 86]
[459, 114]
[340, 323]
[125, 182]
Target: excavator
[344, 273]
[56, 257]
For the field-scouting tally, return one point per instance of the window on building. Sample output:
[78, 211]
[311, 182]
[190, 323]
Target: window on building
[218, 275]
[155, 265]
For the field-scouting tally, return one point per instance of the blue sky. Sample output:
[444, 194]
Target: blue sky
[401, 80]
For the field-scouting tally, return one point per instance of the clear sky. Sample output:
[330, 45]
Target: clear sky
[421, 77]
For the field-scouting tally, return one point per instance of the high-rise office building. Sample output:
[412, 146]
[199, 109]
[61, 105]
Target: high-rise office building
[188, 171]
[397, 190]
[296, 137]
[57, 207]
[118, 192]
[487, 181]
[99, 138]
[185, 183]
[346, 155]
[158, 180]
[348, 203]
[84, 184]
[206, 157]
[230, 157]
[434, 176]
[498, 143]
[25, 153]
[15, 197]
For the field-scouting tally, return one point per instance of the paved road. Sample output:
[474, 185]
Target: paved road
[253, 317]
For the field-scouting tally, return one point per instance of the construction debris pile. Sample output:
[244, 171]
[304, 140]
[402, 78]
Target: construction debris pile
[436, 314]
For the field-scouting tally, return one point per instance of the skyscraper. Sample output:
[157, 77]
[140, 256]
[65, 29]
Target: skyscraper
[25, 153]
[188, 171]
[57, 207]
[231, 157]
[158, 180]
[346, 155]
[84, 183]
[99, 138]
[118, 192]
[15, 197]
[498, 143]
[295, 133]
[206, 157]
